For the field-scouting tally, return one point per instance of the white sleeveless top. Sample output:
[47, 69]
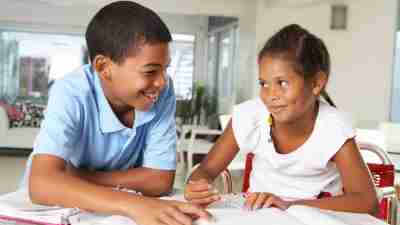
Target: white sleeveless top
[303, 173]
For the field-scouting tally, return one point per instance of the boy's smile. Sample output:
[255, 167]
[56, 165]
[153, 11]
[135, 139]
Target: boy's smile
[138, 81]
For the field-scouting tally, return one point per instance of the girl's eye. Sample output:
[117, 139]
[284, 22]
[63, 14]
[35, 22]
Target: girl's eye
[262, 83]
[283, 83]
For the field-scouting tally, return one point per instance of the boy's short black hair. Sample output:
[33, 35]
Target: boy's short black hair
[118, 29]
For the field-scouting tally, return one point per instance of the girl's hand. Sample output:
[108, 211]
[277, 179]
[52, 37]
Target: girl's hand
[166, 212]
[258, 200]
[201, 192]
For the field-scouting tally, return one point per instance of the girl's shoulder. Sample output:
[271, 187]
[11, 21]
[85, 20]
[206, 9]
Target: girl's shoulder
[253, 108]
[248, 120]
[329, 115]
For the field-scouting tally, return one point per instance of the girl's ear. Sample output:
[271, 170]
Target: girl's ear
[102, 65]
[319, 82]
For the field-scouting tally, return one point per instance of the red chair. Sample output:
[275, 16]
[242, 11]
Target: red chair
[382, 172]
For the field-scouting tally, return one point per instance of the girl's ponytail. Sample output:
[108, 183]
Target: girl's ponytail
[327, 98]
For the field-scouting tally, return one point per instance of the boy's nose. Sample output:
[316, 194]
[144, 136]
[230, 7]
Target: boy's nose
[161, 80]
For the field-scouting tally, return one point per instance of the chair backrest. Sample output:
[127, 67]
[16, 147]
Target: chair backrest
[383, 173]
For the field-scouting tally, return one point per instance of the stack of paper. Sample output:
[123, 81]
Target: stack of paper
[16, 206]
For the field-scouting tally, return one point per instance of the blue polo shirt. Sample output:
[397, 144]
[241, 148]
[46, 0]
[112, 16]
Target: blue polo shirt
[81, 128]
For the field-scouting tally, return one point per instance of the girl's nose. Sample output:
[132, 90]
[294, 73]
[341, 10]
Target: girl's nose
[273, 93]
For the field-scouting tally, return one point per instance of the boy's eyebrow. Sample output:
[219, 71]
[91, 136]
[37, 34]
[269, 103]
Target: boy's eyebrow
[156, 64]
[152, 65]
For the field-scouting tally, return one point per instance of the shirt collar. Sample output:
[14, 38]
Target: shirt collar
[107, 119]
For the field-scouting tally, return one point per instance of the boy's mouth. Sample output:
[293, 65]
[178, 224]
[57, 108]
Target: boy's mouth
[151, 96]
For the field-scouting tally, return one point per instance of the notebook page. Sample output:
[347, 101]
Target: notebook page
[96, 219]
[315, 216]
[355, 218]
[17, 206]
[258, 217]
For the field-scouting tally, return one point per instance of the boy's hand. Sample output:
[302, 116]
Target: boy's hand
[260, 200]
[161, 212]
[201, 192]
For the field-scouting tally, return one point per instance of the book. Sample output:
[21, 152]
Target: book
[229, 211]
[16, 206]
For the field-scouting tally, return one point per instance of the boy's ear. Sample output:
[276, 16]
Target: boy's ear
[321, 78]
[102, 65]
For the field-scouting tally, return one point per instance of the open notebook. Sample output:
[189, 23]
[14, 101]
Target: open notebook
[17, 207]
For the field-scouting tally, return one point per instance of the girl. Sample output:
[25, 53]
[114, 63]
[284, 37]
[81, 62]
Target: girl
[302, 146]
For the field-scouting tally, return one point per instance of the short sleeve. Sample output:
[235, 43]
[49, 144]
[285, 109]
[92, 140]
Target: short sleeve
[160, 151]
[246, 119]
[60, 129]
[336, 128]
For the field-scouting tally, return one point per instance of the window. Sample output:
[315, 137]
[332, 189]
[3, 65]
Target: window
[395, 112]
[222, 61]
[40, 59]
[30, 62]
[182, 62]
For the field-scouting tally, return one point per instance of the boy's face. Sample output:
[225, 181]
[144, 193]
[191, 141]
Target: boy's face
[286, 93]
[139, 79]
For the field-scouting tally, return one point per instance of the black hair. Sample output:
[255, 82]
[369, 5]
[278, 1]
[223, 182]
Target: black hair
[120, 28]
[306, 51]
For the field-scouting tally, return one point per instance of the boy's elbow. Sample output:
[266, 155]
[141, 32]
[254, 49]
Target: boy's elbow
[36, 193]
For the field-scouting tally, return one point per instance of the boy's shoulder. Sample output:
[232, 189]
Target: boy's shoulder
[77, 83]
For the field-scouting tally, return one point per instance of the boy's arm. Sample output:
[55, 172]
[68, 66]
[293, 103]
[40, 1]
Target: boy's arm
[150, 182]
[156, 176]
[359, 192]
[51, 184]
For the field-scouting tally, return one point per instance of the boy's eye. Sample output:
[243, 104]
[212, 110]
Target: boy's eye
[150, 72]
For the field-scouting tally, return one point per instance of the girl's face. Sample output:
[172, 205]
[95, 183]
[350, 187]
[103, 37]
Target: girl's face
[287, 95]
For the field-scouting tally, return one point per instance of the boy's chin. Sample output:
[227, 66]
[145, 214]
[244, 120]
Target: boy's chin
[144, 107]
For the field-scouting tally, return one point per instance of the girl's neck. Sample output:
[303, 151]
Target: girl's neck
[299, 128]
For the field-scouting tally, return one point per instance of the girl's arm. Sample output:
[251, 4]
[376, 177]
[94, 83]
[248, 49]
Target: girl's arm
[198, 189]
[359, 192]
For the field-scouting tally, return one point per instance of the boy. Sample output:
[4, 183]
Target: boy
[112, 124]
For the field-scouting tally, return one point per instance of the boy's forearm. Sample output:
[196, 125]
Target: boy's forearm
[60, 188]
[148, 181]
[348, 203]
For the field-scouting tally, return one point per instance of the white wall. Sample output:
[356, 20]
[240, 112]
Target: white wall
[362, 56]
